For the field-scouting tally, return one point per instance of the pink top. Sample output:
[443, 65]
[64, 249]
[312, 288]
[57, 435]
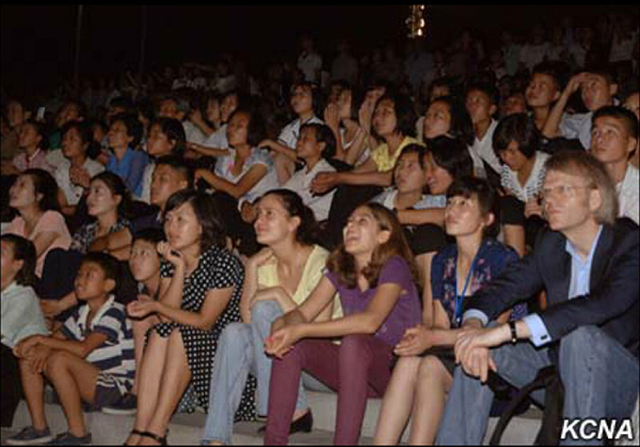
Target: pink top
[51, 221]
[39, 160]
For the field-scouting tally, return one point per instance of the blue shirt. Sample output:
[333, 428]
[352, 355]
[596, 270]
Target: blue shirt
[130, 169]
[579, 285]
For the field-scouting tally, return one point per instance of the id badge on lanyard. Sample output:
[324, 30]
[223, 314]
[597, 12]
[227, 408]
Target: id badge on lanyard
[459, 299]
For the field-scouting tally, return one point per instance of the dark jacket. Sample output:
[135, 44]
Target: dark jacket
[612, 305]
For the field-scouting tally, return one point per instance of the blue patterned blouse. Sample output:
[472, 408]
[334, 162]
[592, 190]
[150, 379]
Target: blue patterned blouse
[489, 263]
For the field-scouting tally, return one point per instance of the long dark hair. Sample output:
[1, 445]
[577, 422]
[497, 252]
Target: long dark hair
[343, 263]
[307, 231]
[23, 250]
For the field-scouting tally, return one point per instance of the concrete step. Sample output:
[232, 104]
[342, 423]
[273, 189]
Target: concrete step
[521, 431]
[187, 429]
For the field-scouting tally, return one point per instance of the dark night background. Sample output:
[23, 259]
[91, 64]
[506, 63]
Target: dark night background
[38, 41]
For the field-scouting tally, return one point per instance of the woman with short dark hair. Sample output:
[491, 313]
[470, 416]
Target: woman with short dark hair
[200, 288]
[516, 141]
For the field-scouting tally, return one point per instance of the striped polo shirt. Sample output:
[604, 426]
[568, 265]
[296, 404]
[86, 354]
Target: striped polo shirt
[116, 355]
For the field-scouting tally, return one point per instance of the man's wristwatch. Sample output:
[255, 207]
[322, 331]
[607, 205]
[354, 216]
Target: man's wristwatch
[514, 334]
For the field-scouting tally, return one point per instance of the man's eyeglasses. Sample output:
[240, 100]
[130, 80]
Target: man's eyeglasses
[561, 192]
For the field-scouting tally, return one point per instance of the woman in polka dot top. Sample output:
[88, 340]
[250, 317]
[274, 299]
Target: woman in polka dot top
[200, 289]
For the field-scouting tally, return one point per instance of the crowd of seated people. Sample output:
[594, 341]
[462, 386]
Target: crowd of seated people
[231, 243]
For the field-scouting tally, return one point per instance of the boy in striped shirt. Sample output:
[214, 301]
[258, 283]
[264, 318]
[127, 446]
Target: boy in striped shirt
[89, 359]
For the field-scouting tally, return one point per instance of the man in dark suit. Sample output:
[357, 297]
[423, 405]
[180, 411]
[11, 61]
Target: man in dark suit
[588, 264]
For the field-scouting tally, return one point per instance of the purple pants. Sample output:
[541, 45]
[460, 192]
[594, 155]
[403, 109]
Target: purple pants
[357, 369]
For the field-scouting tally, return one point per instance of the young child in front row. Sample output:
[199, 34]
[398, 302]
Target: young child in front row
[89, 359]
[144, 263]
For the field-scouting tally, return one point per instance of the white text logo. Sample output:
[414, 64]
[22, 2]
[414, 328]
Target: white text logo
[589, 429]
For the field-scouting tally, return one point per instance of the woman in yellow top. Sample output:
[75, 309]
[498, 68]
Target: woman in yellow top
[278, 279]
[393, 122]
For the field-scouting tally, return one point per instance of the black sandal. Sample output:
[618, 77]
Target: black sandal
[133, 432]
[148, 434]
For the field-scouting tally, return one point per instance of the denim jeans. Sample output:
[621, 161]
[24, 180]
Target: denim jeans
[240, 352]
[600, 378]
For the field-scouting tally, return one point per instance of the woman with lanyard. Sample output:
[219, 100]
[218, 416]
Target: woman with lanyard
[424, 373]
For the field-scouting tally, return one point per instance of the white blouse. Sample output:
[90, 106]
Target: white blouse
[509, 179]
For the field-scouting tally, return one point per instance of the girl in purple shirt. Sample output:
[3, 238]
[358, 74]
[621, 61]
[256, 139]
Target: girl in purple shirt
[374, 272]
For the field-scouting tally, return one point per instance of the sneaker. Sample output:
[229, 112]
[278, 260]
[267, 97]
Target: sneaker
[68, 439]
[125, 406]
[30, 436]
